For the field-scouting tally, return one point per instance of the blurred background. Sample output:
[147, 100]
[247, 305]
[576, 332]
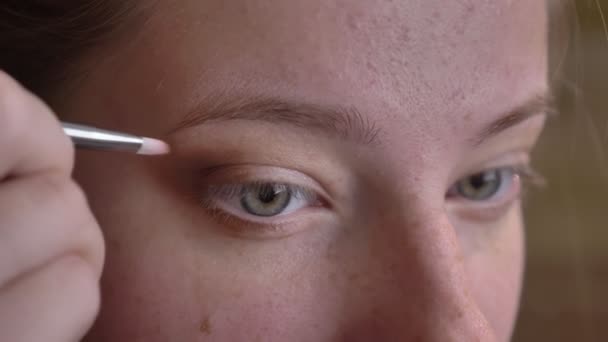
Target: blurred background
[565, 294]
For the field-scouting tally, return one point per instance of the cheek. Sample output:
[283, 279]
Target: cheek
[181, 300]
[495, 272]
[167, 277]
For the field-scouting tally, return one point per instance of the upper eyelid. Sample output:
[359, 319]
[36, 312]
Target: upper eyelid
[248, 173]
[517, 170]
[217, 207]
[525, 171]
[235, 189]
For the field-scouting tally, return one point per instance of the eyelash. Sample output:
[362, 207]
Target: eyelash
[494, 207]
[216, 197]
[228, 191]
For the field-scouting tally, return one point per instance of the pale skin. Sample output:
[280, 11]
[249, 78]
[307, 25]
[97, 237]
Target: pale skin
[381, 247]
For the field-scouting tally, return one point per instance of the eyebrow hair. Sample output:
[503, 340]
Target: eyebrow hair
[344, 123]
[541, 104]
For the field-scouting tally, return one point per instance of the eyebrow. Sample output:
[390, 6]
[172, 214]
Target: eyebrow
[337, 122]
[540, 104]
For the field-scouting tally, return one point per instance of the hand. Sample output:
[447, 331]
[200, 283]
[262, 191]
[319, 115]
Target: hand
[51, 247]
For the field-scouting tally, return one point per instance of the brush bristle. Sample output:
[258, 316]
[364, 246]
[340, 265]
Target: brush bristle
[153, 147]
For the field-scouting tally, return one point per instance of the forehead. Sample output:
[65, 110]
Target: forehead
[413, 65]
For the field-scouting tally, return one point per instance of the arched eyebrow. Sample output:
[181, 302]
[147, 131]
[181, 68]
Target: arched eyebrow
[539, 104]
[335, 122]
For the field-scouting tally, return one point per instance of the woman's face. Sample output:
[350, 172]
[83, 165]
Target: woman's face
[341, 170]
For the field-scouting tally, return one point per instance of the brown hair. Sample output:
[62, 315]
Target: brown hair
[42, 40]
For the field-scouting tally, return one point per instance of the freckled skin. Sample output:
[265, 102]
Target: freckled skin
[391, 264]
[205, 327]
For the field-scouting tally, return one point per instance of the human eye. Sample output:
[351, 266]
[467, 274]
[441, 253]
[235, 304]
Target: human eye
[254, 200]
[259, 200]
[490, 192]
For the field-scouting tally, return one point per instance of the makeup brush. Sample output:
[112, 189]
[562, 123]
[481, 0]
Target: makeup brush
[99, 139]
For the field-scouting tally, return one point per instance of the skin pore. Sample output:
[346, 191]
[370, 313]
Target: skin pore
[370, 112]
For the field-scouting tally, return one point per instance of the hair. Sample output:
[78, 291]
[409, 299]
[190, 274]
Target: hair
[42, 41]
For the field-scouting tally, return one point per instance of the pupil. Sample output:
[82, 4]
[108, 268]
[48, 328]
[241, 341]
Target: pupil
[267, 194]
[478, 181]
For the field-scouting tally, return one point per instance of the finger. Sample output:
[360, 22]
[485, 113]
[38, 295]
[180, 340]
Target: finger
[41, 218]
[31, 138]
[56, 303]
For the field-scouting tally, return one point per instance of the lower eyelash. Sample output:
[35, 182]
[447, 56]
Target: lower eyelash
[212, 196]
[239, 227]
[230, 191]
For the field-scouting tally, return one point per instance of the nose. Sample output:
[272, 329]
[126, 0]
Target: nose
[416, 286]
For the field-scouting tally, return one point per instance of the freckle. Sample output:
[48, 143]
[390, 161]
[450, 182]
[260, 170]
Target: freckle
[205, 326]
[404, 36]
[237, 294]
[396, 84]
[371, 67]
[460, 258]
[460, 314]
[456, 94]
[352, 22]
